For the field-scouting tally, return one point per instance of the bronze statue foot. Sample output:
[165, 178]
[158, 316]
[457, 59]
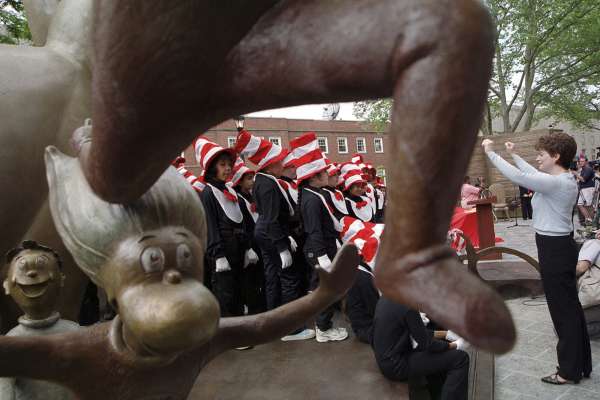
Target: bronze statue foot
[433, 281]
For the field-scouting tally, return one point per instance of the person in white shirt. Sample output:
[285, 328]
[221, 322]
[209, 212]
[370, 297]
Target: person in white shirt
[553, 202]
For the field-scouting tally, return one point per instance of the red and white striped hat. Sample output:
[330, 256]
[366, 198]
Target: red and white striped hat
[366, 236]
[351, 174]
[239, 170]
[300, 146]
[332, 169]
[307, 157]
[259, 151]
[206, 151]
[357, 159]
[196, 183]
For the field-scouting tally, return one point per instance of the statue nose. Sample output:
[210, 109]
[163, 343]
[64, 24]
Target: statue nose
[172, 276]
[32, 273]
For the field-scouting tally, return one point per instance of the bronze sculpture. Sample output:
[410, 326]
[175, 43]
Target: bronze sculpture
[34, 280]
[148, 255]
[161, 76]
[45, 93]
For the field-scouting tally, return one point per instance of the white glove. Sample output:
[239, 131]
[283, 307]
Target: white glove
[222, 265]
[250, 257]
[424, 318]
[286, 259]
[461, 344]
[452, 337]
[293, 244]
[324, 262]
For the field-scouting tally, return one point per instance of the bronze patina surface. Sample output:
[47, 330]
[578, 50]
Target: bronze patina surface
[148, 255]
[34, 280]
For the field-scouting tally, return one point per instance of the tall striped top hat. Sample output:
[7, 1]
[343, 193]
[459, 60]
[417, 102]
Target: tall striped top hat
[351, 174]
[358, 160]
[307, 157]
[332, 169]
[207, 151]
[259, 151]
[239, 170]
[300, 146]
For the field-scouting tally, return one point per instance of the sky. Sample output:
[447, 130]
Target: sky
[312, 111]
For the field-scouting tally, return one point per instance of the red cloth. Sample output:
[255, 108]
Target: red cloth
[466, 221]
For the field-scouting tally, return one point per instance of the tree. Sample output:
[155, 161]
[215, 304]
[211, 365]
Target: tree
[547, 64]
[13, 24]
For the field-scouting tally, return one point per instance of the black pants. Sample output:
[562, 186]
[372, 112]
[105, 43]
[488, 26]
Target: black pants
[558, 258]
[447, 373]
[324, 319]
[526, 209]
[361, 301]
[227, 285]
[254, 288]
[281, 285]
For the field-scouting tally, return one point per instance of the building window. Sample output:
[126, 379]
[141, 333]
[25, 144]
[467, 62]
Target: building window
[378, 142]
[361, 145]
[275, 140]
[342, 143]
[231, 141]
[381, 174]
[323, 145]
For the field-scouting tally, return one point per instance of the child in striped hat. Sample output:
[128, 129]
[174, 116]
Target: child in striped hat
[320, 225]
[282, 280]
[253, 275]
[354, 183]
[228, 248]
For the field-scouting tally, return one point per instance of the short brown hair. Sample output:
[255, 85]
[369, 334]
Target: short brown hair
[558, 143]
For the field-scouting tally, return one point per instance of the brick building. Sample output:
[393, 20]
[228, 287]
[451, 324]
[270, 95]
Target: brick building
[339, 140]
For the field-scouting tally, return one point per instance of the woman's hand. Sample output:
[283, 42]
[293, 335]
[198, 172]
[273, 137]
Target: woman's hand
[488, 145]
[510, 147]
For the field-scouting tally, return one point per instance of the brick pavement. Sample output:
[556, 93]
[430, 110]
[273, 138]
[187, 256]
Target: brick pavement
[518, 372]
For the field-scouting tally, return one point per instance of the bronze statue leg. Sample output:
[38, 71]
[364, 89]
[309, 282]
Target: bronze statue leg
[433, 56]
[436, 57]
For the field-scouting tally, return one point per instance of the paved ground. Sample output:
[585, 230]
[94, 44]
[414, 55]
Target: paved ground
[518, 373]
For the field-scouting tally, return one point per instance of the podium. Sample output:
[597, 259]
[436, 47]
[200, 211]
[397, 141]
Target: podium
[485, 226]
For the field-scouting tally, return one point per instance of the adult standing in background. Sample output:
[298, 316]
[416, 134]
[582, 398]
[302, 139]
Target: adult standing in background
[468, 193]
[526, 209]
[585, 177]
[555, 195]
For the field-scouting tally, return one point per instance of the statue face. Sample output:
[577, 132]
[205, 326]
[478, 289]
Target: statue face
[34, 281]
[154, 280]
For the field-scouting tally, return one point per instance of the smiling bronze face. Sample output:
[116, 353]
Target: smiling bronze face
[33, 281]
[154, 280]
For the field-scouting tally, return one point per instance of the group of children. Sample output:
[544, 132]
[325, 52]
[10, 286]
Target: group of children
[271, 227]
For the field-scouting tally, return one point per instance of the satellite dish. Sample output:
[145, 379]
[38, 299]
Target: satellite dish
[331, 111]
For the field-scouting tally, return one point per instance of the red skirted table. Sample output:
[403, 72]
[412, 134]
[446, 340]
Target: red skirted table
[478, 225]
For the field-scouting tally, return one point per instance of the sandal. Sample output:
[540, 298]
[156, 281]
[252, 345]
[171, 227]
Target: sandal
[553, 379]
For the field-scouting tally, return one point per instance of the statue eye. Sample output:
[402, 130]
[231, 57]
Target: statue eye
[184, 256]
[41, 261]
[153, 259]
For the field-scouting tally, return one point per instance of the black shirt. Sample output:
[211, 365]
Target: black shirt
[393, 326]
[588, 177]
[219, 226]
[318, 226]
[273, 211]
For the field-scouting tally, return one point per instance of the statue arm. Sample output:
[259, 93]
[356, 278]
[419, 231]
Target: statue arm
[261, 328]
[35, 357]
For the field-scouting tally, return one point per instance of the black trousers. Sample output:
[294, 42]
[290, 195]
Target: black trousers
[526, 209]
[324, 319]
[281, 285]
[361, 302]
[447, 373]
[558, 258]
[253, 287]
[227, 286]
